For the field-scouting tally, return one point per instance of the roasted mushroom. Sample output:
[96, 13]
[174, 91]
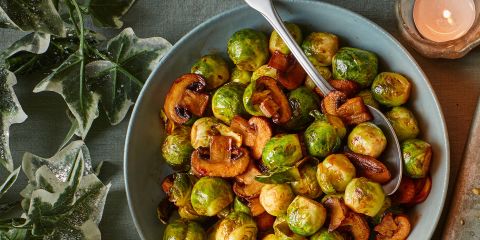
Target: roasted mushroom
[356, 225]
[391, 228]
[186, 98]
[256, 208]
[369, 167]
[245, 185]
[405, 192]
[256, 133]
[264, 221]
[422, 189]
[337, 211]
[350, 88]
[354, 112]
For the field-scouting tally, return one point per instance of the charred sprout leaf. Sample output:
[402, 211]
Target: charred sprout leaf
[120, 76]
[9, 182]
[28, 15]
[107, 13]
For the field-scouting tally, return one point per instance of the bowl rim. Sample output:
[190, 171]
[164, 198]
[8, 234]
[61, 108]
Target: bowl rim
[244, 7]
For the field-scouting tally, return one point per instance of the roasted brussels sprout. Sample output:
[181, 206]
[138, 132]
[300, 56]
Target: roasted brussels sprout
[367, 139]
[282, 151]
[210, 195]
[276, 42]
[178, 187]
[403, 122]
[182, 229]
[307, 185]
[205, 128]
[324, 71]
[265, 70]
[302, 101]
[248, 49]
[334, 173]
[236, 226]
[240, 205]
[283, 231]
[324, 234]
[391, 89]
[337, 123]
[321, 137]
[275, 198]
[320, 47]
[305, 216]
[416, 156]
[368, 98]
[270, 237]
[355, 64]
[187, 212]
[214, 69]
[227, 102]
[240, 76]
[364, 196]
[176, 148]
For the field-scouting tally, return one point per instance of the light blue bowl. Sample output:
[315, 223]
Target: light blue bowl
[145, 168]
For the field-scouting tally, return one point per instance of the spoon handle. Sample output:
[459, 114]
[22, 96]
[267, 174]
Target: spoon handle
[265, 7]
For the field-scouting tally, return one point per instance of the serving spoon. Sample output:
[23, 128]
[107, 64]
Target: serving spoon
[392, 155]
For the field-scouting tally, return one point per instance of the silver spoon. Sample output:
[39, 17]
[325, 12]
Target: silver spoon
[392, 155]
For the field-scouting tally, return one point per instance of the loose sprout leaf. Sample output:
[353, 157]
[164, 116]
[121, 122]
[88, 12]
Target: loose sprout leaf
[34, 43]
[31, 15]
[10, 112]
[9, 182]
[108, 13]
[120, 78]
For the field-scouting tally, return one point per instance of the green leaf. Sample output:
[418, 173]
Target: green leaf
[108, 13]
[10, 112]
[9, 182]
[37, 43]
[284, 175]
[120, 76]
[31, 15]
[13, 234]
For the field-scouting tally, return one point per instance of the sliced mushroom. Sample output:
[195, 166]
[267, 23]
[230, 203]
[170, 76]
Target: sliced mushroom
[255, 133]
[332, 102]
[291, 74]
[279, 61]
[167, 184]
[369, 167]
[256, 208]
[391, 228]
[354, 111]
[350, 88]
[275, 94]
[405, 192]
[169, 124]
[422, 189]
[186, 98]
[264, 221]
[337, 210]
[223, 159]
[241, 126]
[356, 225]
[245, 185]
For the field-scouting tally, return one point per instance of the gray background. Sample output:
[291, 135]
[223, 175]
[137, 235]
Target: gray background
[456, 82]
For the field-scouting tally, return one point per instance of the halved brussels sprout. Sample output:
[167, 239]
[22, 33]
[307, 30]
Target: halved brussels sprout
[367, 139]
[275, 198]
[320, 47]
[211, 195]
[364, 196]
[324, 234]
[307, 185]
[391, 89]
[282, 151]
[283, 231]
[417, 155]
[248, 49]
[205, 128]
[178, 187]
[305, 216]
[403, 122]
[241, 76]
[334, 173]
[265, 70]
[236, 226]
[182, 229]
[368, 98]
[227, 102]
[276, 42]
[355, 64]
[321, 137]
[176, 149]
[213, 68]
[302, 101]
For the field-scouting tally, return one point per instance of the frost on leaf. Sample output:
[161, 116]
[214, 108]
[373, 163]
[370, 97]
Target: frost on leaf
[108, 13]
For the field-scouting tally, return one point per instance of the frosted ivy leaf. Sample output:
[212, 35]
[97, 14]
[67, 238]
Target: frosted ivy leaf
[34, 43]
[9, 181]
[108, 13]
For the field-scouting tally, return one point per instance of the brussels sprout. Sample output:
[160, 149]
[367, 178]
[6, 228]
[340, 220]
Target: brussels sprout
[210, 195]
[282, 230]
[324, 71]
[280, 175]
[276, 42]
[337, 123]
[205, 128]
[356, 65]
[364, 196]
[236, 226]
[182, 229]
[180, 189]
[368, 98]
[302, 101]
[416, 156]
[334, 173]
[270, 237]
[282, 151]
[176, 148]
[367, 139]
[321, 137]
[241, 76]
[305, 216]
[324, 234]
[275, 198]
[227, 102]
[391, 89]
[265, 70]
[386, 205]
[403, 122]
[248, 49]
[247, 100]
[320, 47]
[240, 206]
[187, 212]
[307, 185]
[213, 68]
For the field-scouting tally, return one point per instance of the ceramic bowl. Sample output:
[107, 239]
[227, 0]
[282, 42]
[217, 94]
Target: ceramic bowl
[144, 167]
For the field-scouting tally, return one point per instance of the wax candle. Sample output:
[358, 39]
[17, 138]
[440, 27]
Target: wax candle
[443, 20]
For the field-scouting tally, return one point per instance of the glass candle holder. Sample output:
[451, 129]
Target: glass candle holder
[452, 49]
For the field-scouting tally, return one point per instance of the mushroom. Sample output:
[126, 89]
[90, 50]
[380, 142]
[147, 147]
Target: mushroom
[272, 100]
[337, 211]
[223, 159]
[291, 73]
[279, 61]
[350, 88]
[422, 189]
[256, 133]
[332, 102]
[391, 228]
[186, 98]
[354, 111]
[256, 208]
[264, 221]
[245, 185]
[356, 225]
[369, 167]
[405, 192]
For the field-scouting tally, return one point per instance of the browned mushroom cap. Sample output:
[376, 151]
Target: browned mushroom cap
[256, 133]
[369, 167]
[356, 225]
[350, 88]
[393, 229]
[186, 98]
[271, 100]
[245, 185]
[256, 208]
[337, 211]
[332, 102]
[264, 221]
[223, 159]
[354, 112]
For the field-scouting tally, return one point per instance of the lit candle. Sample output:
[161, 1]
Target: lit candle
[443, 20]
